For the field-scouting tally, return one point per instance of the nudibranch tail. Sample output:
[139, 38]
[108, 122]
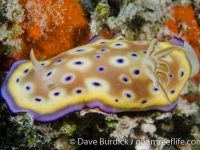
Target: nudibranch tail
[192, 57]
[152, 61]
[37, 66]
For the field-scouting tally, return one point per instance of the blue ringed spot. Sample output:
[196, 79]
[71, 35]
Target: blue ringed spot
[102, 50]
[78, 91]
[120, 61]
[56, 93]
[43, 64]
[38, 99]
[134, 55]
[68, 78]
[118, 44]
[101, 69]
[144, 101]
[96, 84]
[80, 50]
[128, 95]
[28, 88]
[172, 91]
[25, 71]
[155, 89]
[102, 42]
[116, 100]
[136, 72]
[182, 73]
[59, 60]
[78, 63]
[125, 79]
[98, 56]
[48, 74]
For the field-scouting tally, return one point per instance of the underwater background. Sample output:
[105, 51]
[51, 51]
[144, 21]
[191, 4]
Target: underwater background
[51, 27]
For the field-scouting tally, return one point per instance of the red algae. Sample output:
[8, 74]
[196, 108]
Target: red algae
[107, 34]
[184, 25]
[196, 78]
[190, 98]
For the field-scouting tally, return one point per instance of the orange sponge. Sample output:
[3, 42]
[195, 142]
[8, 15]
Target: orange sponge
[184, 23]
[52, 27]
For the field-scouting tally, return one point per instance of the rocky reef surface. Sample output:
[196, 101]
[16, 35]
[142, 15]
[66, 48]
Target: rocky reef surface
[26, 24]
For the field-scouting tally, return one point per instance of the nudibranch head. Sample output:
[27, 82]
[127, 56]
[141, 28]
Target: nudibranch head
[111, 74]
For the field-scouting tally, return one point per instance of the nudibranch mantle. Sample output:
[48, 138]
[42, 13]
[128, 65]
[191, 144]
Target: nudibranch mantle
[112, 74]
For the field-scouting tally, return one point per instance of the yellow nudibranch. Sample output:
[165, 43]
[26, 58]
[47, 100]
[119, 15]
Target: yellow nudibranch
[112, 74]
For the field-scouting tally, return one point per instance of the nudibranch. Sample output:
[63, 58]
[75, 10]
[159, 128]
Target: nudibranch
[113, 75]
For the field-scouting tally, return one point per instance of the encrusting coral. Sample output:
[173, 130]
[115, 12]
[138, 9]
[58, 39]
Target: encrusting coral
[11, 13]
[133, 19]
